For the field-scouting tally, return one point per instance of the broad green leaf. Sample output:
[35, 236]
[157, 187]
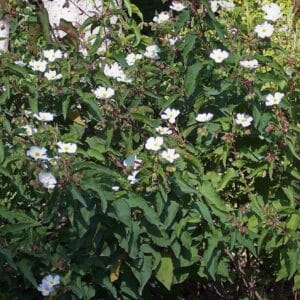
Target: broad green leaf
[191, 78]
[26, 268]
[165, 272]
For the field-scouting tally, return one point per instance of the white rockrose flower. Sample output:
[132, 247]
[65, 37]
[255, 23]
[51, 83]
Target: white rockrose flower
[45, 289]
[249, 64]
[103, 93]
[113, 70]
[219, 55]
[152, 52]
[44, 116]
[273, 12]
[163, 130]
[243, 119]
[274, 99]
[264, 30]
[20, 63]
[132, 58]
[154, 143]
[66, 147]
[125, 78]
[132, 178]
[38, 65]
[29, 130]
[52, 75]
[51, 280]
[52, 54]
[49, 182]
[170, 115]
[215, 5]
[170, 155]
[205, 117]
[162, 17]
[177, 6]
[132, 161]
[227, 4]
[104, 46]
[173, 40]
[37, 153]
[115, 188]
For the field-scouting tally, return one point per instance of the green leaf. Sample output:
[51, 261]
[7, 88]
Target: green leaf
[76, 194]
[211, 195]
[294, 222]
[297, 282]
[191, 77]
[204, 210]
[229, 175]
[25, 266]
[189, 45]
[8, 257]
[2, 152]
[18, 70]
[165, 272]
[292, 148]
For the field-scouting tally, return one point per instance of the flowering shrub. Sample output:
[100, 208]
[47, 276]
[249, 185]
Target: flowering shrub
[136, 166]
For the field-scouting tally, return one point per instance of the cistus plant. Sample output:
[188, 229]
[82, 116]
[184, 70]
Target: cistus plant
[151, 160]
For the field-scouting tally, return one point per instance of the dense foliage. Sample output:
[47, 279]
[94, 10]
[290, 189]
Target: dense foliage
[171, 172]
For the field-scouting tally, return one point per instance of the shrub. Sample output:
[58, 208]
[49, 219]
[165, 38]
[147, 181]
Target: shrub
[170, 174]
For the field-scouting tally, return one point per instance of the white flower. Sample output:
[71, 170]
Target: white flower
[132, 58]
[173, 40]
[20, 63]
[274, 99]
[154, 143]
[52, 75]
[48, 181]
[170, 115]
[215, 5]
[132, 178]
[227, 4]
[233, 30]
[115, 188]
[51, 280]
[163, 130]
[29, 130]
[243, 119]
[104, 46]
[250, 64]
[52, 55]
[113, 70]
[272, 11]
[152, 52]
[45, 289]
[103, 93]
[162, 17]
[124, 78]
[132, 161]
[205, 117]
[44, 116]
[38, 65]
[66, 147]
[170, 155]
[37, 153]
[177, 6]
[264, 30]
[218, 55]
